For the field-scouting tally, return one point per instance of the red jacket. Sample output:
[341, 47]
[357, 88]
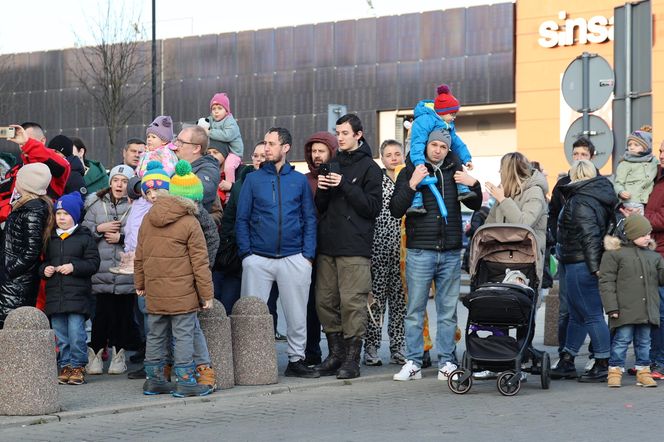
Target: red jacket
[35, 152]
[655, 210]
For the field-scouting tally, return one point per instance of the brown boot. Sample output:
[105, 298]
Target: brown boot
[77, 376]
[644, 378]
[206, 376]
[615, 377]
[65, 373]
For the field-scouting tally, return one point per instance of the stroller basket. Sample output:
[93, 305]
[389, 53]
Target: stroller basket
[506, 305]
[492, 347]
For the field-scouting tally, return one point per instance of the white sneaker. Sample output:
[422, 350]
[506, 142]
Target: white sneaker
[486, 374]
[118, 363]
[410, 371]
[95, 364]
[589, 365]
[445, 371]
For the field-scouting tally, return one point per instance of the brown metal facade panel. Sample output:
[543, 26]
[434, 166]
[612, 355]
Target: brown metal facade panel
[208, 51]
[283, 48]
[387, 39]
[478, 21]
[302, 128]
[264, 52]
[345, 43]
[365, 41]
[408, 78]
[408, 30]
[454, 32]
[476, 83]
[432, 33]
[171, 57]
[324, 44]
[303, 47]
[245, 52]
[303, 97]
[387, 86]
[501, 78]
[227, 54]
[52, 109]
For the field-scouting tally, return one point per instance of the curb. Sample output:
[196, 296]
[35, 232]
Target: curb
[264, 390]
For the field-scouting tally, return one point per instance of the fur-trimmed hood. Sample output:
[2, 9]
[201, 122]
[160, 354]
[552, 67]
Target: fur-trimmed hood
[615, 243]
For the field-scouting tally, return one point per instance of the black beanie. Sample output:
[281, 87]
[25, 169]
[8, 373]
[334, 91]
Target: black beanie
[62, 144]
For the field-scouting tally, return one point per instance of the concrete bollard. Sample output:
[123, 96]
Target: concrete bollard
[551, 316]
[28, 366]
[216, 327]
[254, 352]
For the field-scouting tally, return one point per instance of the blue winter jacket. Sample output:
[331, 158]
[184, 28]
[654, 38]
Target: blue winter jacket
[276, 216]
[426, 121]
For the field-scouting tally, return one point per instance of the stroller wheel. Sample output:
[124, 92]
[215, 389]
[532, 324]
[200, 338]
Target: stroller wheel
[460, 381]
[508, 384]
[546, 371]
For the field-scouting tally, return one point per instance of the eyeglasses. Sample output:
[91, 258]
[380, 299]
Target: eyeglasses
[178, 142]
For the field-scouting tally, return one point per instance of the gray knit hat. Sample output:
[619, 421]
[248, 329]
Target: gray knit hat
[121, 169]
[440, 135]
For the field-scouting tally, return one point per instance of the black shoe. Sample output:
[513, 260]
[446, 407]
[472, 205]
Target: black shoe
[426, 359]
[299, 369]
[565, 368]
[598, 373]
[137, 374]
[412, 210]
[279, 337]
[337, 353]
[312, 360]
[350, 369]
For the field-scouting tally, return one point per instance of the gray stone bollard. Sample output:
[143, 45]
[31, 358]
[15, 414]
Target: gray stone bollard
[551, 316]
[254, 352]
[216, 327]
[28, 366]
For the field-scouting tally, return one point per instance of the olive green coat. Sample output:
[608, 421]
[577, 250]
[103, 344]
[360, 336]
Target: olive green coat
[629, 278]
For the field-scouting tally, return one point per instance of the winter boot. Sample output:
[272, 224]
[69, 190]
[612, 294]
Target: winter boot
[336, 356]
[95, 364]
[565, 368]
[644, 378]
[155, 382]
[123, 263]
[614, 377]
[351, 366]
[118, 362]
[598, 373]
[186, 385]
[205, 375]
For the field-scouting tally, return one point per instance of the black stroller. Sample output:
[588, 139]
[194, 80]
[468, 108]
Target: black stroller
[496, 308]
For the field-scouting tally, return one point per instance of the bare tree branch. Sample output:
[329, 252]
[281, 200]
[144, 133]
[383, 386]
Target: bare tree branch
[115, 69]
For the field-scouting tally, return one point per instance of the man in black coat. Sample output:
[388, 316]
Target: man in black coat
[349, 198]
[434, 252]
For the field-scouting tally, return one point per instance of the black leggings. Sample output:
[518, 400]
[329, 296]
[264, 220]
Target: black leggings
[113, 323]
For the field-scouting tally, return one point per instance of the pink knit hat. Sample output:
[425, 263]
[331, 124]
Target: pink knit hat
[222, 99]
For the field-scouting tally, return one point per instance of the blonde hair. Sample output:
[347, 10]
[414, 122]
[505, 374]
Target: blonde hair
[582, 170]
[514, 170]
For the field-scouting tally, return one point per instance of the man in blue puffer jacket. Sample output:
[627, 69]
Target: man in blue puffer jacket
[276, 238]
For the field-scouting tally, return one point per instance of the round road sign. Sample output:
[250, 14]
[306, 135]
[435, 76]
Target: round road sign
[599, 133]
[600, 83]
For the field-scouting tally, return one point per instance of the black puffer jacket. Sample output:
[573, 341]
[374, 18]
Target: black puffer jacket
[348, 212]
[20, 253]
[584, 221]
[429, 231]
[71, 293]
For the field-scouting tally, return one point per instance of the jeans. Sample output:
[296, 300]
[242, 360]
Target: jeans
[227, 288]
[422, 268]
[657, 334]
[70, 331]
[586, 313]
[623, 336]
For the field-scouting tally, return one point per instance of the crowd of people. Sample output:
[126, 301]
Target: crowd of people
[139, 251]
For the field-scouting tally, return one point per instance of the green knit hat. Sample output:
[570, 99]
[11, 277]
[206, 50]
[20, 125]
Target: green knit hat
[186, 184]
[637, 226]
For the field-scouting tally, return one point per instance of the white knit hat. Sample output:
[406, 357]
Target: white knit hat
[34, 178]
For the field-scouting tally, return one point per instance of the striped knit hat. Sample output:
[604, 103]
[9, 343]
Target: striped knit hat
[445, 102]
[186, 184]
[155, 177]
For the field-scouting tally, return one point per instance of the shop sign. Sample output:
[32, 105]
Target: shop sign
[573, 31]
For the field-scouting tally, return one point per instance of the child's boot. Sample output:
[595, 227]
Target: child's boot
[205, 375]
[155, 381]
[644, 377]
[123, 263]
[118, 362]
[95, 364]
[186, 385]
[417, 207]
[128, 267]
[614, 377]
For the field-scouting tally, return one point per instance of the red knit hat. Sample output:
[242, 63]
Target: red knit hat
[445, 102]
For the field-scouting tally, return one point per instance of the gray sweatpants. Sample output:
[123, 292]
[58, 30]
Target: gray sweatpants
[293, 277]
[158, 339]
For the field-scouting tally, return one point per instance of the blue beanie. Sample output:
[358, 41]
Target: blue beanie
[72, 203]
